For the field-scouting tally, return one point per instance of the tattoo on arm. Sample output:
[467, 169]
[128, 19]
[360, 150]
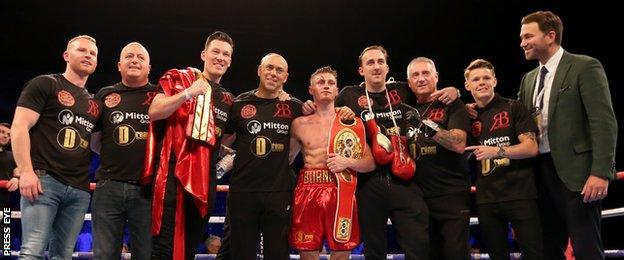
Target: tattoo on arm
[447, 138]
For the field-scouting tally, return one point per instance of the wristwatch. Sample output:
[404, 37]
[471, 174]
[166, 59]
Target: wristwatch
[501, 152]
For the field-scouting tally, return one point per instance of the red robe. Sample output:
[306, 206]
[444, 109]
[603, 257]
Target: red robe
[192, 165]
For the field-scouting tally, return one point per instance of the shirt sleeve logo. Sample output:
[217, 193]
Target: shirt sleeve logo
[94, 108]
[65, 98]
[227, 98]
[248, 111]
[149, 99]
[112, 100]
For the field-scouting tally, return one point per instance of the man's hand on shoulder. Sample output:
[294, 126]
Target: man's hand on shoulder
[446, 95]
[308, 107]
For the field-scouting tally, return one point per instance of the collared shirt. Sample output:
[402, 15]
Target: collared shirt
[551, 65]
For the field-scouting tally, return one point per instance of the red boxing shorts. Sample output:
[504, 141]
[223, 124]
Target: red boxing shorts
[314, 210]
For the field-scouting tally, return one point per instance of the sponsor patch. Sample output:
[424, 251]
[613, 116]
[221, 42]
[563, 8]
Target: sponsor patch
[362, 102]
[248, 111]
[66, 98]
[112, 100]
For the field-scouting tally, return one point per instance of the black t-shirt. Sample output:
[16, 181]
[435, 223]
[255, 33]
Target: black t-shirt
[499, 124]
[440, 171]
[262, 128]
[222, 101]
[124, 124]
[59, 141]
[399, 93]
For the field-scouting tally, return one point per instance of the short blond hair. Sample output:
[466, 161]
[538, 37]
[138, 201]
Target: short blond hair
[84, 36]
[478, 64]
[323, 70]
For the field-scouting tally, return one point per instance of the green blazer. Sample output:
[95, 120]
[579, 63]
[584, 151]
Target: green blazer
[582, 129]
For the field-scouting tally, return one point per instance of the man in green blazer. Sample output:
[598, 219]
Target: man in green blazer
[570, 97]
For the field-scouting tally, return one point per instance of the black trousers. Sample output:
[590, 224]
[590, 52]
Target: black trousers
[494, 221]
[195, 225]
[381, 197]
[564, 214]
[252, 213]
[449, 225]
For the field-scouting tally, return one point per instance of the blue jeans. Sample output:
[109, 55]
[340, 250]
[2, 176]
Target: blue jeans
[55, 219]
[115, 202]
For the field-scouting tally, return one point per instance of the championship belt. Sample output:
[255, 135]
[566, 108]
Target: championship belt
[348, 141]
[200, 125]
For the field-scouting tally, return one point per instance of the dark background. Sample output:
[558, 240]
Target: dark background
[309, 34]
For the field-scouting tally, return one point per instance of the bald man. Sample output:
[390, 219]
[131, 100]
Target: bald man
[262, 180]
[50, 134]
[120, 141]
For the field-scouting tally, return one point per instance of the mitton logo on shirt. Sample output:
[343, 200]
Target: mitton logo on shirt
[365, 115]
[67, 117]
[117, 117]
[220, 114]
[500, 120]
[112, 100]
[498, 141]
[65, 98]
[476, 128]
[255, 127]
[283, 110]
[248, 111]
